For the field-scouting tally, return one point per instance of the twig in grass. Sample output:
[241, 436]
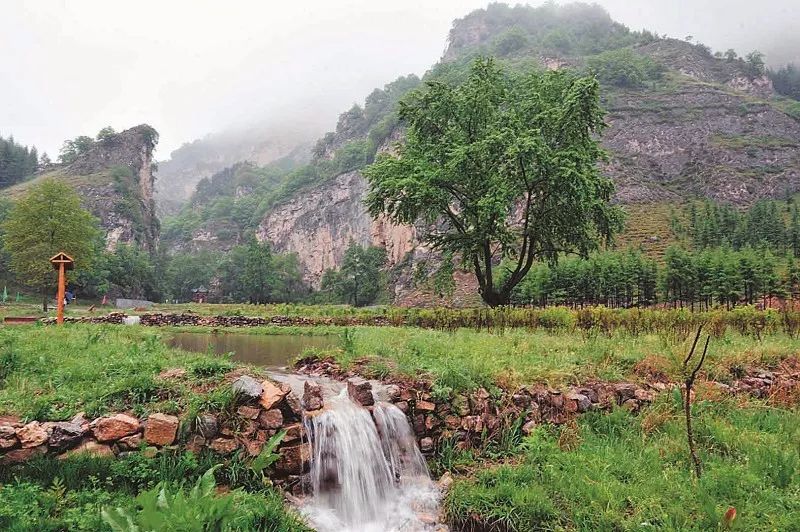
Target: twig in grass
[687, 398]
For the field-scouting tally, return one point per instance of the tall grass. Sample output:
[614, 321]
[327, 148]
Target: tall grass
[634, 473]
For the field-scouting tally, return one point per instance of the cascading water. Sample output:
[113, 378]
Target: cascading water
[367, 475]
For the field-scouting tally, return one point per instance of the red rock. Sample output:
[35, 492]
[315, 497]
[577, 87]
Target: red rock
[17, 456]
[271, 395]
[14, 421]
[223, 445]
[195, 443]
[403, 406]
[91, 447]
[312, 396]
[644, 395]
[472, 423]
[425, 406]
[8, 437]
[130, 443]
[294, 432]
[161, 429]
[529, 427]
[65, 434]
[31, 435]
[360, 391]
[252, 447]
[294, 459]
[452, 422]
[115, 427]
[248, 412]
[270, 419]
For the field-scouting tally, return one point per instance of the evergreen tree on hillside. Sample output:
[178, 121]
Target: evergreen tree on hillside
[16, 162]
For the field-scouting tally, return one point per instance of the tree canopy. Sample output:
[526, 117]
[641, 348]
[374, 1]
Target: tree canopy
[502, 166]
[49, 219]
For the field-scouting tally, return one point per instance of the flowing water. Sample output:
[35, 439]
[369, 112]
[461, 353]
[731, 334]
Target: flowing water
[367, 474]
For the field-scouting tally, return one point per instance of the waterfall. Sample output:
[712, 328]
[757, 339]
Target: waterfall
[367, 475]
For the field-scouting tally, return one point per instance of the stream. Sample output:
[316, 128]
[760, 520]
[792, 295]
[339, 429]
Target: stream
[367, 473]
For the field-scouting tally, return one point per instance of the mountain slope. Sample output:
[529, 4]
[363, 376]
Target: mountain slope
[115, 180]
[683, 123]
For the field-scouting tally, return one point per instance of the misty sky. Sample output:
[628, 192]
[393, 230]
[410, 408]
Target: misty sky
[190, 67]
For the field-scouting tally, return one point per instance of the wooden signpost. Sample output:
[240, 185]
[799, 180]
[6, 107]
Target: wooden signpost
[61, 262]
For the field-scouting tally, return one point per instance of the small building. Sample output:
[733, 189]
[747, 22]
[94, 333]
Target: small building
[200, 294]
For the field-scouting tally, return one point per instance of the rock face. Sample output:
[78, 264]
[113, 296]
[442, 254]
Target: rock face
[115, 180]
[320, 224]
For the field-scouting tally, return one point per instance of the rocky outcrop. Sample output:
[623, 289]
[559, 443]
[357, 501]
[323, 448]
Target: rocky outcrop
[115, 180]
[321, 223]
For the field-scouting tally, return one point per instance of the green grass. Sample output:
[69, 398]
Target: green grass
[467, 359]
[620, 472]
[51, 373]
[51, 494]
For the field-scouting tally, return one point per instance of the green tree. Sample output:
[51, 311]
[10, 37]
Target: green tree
[105, 134]
[258, 275]
[360, 279]
[509, 163]
[47, 220]
[72, 149]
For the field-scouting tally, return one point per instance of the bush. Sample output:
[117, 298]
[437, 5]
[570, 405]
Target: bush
[625, 68]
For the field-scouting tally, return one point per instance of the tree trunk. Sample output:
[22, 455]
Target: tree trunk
[495, 299]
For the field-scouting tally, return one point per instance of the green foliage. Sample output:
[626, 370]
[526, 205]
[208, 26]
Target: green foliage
[534, 145]
[360, 280]
[58, 372]
[635, 474]
[16, 162]
[786, 81]
[74, 148]
[624, 68]
[510, 41]
[105, 134]
[48, 220]
[754, 64]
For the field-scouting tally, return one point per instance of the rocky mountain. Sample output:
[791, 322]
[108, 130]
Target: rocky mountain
[188, 165]
[115, 180]
[683, 123]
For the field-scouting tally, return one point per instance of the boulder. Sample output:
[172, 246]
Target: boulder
[294, 406]
[529, 427]
[195, 443]
[8, 437]
[31, 435]
[624, 391]
[17, 456]
[580, 401]
[115, 427]
[271, 395]
[207, 426]
[223, 445]
[294, 432]
[248, 412]
[90, 447]
[270, 419]
[424, 406]
[644, 395]
[247, 388]
[402, 405]
[130, 443]
[452, 422]
[392, 392]
[65, 434]
[426, 445]
[472, 423]
[294, 460]
[312, 396]
[360, 391]
[161, 429]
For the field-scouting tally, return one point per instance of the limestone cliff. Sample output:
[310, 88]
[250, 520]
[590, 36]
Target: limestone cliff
[115, 180]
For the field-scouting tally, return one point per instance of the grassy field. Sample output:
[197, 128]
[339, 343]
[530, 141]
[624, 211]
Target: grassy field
[49, 373]
[622, 472]
[599, 472]
[467, 359]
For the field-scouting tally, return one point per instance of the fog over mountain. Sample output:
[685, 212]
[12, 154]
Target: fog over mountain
[190, 68]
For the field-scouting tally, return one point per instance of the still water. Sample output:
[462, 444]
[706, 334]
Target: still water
[274, 350]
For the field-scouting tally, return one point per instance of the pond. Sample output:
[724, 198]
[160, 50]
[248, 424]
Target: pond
[267, 350]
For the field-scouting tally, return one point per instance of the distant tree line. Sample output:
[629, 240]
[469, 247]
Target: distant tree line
[786, 81]
[16, 161]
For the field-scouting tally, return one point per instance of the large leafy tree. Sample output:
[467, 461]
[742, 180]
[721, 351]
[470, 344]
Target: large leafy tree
[47, 220]
[501, 166]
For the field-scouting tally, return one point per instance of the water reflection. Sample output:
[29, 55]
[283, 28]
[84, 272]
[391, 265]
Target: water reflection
[256, 349]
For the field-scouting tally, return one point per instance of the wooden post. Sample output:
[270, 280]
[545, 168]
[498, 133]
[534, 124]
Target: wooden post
[62, 262]
[61, 290]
